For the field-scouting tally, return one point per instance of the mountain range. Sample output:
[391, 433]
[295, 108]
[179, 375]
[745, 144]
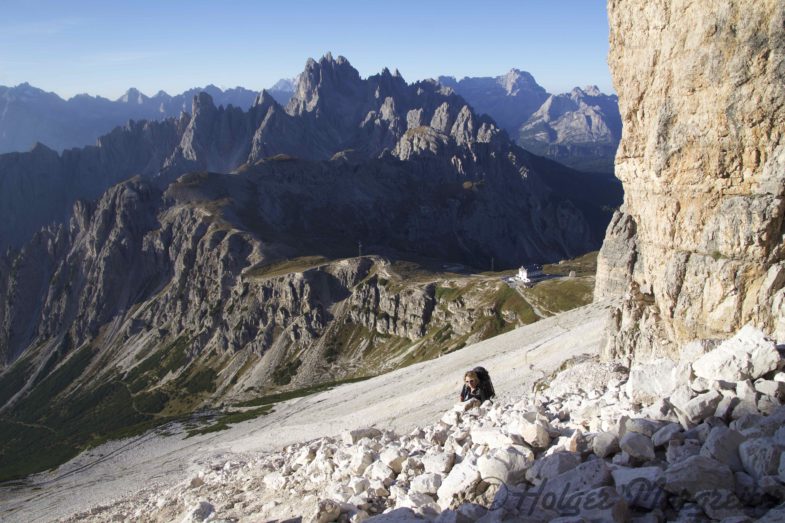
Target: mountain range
[214, 255]
[29, 115]
[580, 129]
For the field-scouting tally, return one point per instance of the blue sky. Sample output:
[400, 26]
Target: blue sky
[104, 47]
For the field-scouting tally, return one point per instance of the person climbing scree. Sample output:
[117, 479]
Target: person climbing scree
[477, 385]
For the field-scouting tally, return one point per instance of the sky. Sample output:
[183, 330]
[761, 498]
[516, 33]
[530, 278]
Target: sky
[104, 47]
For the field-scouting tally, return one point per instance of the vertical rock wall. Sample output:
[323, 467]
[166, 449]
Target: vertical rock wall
[697, 249]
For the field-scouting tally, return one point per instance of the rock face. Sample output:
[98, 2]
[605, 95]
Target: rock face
[697, 245]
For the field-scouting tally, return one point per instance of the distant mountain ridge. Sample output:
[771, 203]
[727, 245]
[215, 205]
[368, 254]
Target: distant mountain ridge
[29, 115]
[333, 111]
[581, 129]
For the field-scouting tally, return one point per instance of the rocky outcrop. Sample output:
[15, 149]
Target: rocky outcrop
[702, 160]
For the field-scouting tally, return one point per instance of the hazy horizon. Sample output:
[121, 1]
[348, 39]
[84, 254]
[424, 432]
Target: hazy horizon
[104, 49]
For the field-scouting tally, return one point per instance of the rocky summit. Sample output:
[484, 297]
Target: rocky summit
[696, 249]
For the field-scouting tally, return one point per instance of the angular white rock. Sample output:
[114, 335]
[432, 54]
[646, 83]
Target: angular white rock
[507, 466]
[351, 437]
[494, 438]
[427, 483]
[462, 478]
[438, 462]
[747, 355]
[651, 381]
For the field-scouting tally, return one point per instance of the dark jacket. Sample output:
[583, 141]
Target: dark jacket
[479, 393]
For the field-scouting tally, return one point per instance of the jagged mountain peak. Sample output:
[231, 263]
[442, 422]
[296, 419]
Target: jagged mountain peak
[592, 90]
[517, 81]
[328, 76]
[285, 84]
[265, 99]
[39, 149]
[202, 101]
[133, 96]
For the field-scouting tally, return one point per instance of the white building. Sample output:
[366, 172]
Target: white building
[528, 274]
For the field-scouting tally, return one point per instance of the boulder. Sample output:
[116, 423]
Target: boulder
[720, 504]
[419, 502]
[506, 466]
[722, 444]
[586, 476]
[639, 486]
[361, 460]
[681, 449]
[463, 478]
[438, 462]
[696, 474]
[359, 484]
[393, 457]
[775, 515]
[665, 434]
[381, 472]
[681, 396]
[771, 388]
[637, 446]
[551, 466]
[451, 417]
[494, 438]
[702, 406]
[427, 483]
[604, 444]
[643, 426]
[760, 457]
[747, 355]
[274, 480]
[327, 510]
[699, 432]
[725, 406]
[650, 381]
[351, 437]
[202, 511]
[768, 404]
[536, 432]
[602, 504]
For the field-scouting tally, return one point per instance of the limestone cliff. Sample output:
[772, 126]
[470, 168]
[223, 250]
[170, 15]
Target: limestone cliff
[698, 243]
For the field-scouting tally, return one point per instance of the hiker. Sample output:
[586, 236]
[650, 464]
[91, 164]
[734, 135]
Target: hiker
[477, 385]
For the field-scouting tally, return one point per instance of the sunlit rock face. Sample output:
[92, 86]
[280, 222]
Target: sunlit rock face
[697, 249]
